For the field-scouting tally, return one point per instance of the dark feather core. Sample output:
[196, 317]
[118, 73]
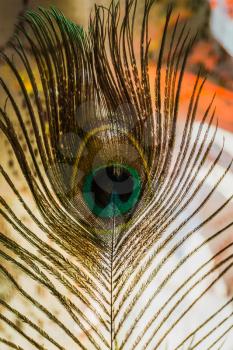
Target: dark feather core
[112, 190]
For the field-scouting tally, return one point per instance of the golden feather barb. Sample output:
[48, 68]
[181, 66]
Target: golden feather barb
[101, 243]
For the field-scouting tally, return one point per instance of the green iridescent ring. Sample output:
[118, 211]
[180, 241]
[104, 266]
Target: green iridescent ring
[112, 190]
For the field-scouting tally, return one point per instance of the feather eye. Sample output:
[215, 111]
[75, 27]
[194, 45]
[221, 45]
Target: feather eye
[102, 223]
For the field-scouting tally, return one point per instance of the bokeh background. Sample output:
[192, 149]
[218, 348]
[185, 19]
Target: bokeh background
[208, 53]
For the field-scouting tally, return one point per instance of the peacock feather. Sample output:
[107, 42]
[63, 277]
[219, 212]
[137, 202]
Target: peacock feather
[101, 242]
